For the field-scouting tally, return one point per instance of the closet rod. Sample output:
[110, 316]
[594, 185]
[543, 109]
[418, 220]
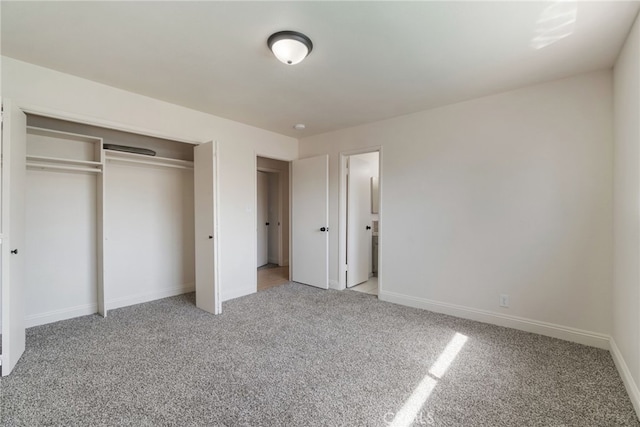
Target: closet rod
[114, 159]
[62, 168]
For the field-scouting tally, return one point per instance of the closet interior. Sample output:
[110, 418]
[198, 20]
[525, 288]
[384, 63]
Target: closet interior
[104, 228]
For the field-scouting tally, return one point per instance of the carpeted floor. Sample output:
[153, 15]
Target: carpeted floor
[298, 356]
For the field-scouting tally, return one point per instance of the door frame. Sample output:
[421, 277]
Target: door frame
[342, 214]
[280, 212]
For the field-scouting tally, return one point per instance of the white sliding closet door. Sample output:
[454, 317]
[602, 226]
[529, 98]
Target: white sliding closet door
[204, 166]
[13, 183]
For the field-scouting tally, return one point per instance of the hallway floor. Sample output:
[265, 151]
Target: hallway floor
[271, 275]
[368, 287]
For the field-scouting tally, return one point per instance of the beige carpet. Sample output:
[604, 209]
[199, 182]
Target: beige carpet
[295, 356]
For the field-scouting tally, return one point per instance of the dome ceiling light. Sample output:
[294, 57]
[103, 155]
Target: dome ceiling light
[290, 47]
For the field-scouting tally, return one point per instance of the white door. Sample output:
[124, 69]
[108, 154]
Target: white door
[204, 185]
[273, 219]
[358, 221]
[310, 221]
[262, 214]
[14, 141]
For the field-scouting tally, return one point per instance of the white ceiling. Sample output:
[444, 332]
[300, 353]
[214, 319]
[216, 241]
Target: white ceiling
[371, 60]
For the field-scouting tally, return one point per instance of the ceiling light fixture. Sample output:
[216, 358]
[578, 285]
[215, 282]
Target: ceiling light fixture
[299, 126]
[290, 47]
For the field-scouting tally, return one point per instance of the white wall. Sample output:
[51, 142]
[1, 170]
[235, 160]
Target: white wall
[83, 100]
[149, 233]
[510, 193]
[60, 253]
[626, 277]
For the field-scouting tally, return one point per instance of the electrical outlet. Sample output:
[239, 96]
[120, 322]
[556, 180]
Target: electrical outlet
[504, 300]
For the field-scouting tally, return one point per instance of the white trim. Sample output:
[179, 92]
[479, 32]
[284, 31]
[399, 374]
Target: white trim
[255, 222]
[216, 227]
[150, 296]
[625, 374]
[334, 284]
[62, 314]
[566, 333]
[342, 223]
[94, 121]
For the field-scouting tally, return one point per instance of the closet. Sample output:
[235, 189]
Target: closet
[104, 229]
[85, 229]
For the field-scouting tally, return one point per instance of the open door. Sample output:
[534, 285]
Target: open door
[310, 221]
[358, 221]
[14, 142]
[204, 175]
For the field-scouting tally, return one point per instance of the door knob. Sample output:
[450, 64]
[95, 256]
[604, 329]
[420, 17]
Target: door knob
[266, 223]
[368, 227]
[15, 252]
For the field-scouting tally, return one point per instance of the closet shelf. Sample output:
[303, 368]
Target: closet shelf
[121, 156]
[58, 160]
[34, 130]
[63, 167]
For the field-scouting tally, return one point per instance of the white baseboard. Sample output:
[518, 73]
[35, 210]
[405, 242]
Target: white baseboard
[625, 374]
[149, 296]
[62, 314]
[566, 333]
[334, 284]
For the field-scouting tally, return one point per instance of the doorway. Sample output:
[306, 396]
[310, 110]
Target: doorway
[362, 221]
[272, 223]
